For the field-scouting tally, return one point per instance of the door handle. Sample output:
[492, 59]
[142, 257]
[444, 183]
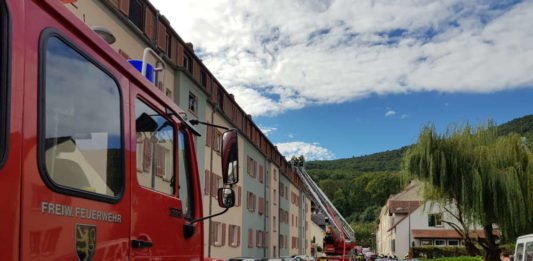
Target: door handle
[141, 244]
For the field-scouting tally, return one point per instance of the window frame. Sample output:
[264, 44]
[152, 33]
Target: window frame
[5, 80]
[191, 191]
[46, 34]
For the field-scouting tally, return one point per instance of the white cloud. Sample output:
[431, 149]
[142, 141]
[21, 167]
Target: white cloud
[290, 136]
[277, 56]
[390, 113]
[267, 130]
[311, 151]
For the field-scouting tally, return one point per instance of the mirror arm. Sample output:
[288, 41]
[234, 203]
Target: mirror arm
[196, 122]
[212, 216]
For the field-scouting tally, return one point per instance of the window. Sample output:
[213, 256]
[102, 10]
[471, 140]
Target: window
[453, 242]
[218, 233]
[220, 98]
[529, 250]
[250, 238]
[274, 196]
[168, 44]
[435, 220]
[520, 252]
[261, 174]
[440, 242]
[4, 80]
[234, 236]
[136, 13]
[426, 242]
[193, 103]
[250, 201]
[203, 78]
[259, 238]
[155, 142]
[218, 141]
[81, 143]
[275, 175]
[187, 62]
[274, 225]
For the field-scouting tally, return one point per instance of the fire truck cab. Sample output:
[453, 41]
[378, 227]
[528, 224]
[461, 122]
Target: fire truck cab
[95, 162]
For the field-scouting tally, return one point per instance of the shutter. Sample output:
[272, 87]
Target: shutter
[206, 185]
[124, 6]
[174, 51]
[149, 23]
[247, 200]
[213, 233]
[239, 192]
[161, 35]
[223, 234]
[231, 234]
[254, 197]
[208, 136]
[238, 236]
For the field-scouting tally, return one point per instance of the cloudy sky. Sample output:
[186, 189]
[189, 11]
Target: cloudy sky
[342, 78]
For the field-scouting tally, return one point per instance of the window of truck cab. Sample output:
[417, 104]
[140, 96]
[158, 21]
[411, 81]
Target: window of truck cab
[155, 157]
[155, 149]
[81, 150]
[4, 79]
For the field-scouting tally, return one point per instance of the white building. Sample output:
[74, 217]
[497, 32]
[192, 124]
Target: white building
[407, 221]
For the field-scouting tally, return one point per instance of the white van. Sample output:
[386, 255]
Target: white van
[524, 248]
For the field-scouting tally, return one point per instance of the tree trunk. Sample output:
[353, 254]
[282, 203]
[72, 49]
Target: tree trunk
[471, 248]
[492, 251]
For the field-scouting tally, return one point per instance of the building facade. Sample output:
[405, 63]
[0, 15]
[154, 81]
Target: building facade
[270, 217]
[408, 221]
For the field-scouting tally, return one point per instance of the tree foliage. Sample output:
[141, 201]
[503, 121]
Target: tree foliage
[489, 176]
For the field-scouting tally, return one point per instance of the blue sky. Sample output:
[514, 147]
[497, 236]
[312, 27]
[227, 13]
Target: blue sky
[341, 78]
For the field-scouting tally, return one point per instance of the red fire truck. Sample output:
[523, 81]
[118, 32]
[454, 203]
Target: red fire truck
[95, 162]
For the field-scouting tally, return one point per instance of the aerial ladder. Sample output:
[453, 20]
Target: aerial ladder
[339, 242]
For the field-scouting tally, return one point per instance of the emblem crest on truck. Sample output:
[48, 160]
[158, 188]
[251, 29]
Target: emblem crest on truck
[85, 241]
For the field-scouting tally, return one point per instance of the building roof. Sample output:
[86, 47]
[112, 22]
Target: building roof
[446, 233]
[403, 207]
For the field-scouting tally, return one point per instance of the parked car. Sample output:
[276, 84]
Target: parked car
[524, 248]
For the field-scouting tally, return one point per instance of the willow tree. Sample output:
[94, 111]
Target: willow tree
[490, 178]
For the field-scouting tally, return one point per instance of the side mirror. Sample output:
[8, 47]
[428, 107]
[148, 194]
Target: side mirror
[226, 197]
[230, 157]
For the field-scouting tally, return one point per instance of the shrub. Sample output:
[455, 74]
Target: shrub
[459, 258]
[431, 252]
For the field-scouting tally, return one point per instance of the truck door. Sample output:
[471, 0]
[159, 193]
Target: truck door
[163, 197]
[75, 202]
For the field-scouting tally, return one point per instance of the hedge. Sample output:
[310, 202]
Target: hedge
[431, 252]
[459, 258]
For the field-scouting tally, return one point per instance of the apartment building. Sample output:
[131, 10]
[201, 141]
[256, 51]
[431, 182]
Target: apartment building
[270, 218]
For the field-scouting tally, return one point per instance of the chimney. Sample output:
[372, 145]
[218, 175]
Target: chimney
[190, 46]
